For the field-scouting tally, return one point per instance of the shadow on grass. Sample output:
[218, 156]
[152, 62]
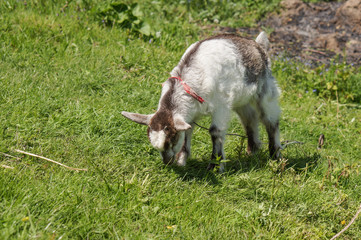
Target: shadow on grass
[302, 158]
[298, 162]
[298, 159]
[303, 162]
[196, 170]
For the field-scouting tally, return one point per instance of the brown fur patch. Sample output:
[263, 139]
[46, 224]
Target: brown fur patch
[163, 119]
[188, 58]
[164, 116]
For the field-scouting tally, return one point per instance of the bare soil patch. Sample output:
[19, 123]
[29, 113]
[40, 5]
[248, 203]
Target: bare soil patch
[313, 32]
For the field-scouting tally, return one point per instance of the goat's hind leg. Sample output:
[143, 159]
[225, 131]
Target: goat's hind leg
[270, 114]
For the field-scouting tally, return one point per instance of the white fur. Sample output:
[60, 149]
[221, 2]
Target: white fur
[177, 147]
[157, 139]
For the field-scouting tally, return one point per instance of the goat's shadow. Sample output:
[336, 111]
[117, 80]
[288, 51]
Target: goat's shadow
[196, 169]
[297, 162]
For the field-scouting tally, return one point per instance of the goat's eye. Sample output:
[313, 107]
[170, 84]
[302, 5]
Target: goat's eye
[166, 129]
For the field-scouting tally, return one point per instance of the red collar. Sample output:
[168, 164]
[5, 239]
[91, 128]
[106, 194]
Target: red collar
[189, 90]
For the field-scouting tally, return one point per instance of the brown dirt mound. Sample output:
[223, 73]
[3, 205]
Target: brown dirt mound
[313, 32]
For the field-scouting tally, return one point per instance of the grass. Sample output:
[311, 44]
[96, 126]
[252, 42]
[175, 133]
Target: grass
[64, 81]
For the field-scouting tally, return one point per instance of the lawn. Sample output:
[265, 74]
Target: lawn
[67, 72]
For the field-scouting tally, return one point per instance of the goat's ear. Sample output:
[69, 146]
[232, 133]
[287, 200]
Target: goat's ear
[180, 124]
[138, 118]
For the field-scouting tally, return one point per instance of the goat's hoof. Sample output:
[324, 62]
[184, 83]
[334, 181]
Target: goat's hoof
[181, 162]
[276, 155]
[181, 159]
[211, 166]
[221, 167]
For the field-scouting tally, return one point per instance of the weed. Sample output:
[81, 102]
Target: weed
[338, 81]
[125, 16]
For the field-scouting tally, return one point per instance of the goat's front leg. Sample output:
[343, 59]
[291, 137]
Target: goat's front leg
[185, 152]
[218, 131]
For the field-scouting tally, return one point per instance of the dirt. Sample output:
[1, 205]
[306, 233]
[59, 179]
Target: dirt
[313, 32]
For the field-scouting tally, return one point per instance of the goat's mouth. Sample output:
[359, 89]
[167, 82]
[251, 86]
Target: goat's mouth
[168, 158]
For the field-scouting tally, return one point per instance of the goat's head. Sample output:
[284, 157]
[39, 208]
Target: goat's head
[165, 132]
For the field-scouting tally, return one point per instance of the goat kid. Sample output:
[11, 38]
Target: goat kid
[228, 72]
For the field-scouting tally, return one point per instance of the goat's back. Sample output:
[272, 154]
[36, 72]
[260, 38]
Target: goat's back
[225, 68]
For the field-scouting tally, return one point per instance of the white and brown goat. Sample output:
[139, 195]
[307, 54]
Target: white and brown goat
[213, 77]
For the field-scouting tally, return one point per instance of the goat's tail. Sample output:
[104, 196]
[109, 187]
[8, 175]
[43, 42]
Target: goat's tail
[263, 41]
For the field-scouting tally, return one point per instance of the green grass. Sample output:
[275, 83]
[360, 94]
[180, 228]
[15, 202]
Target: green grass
[64, 82]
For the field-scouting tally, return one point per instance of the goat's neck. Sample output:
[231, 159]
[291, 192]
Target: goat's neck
[176, 101]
